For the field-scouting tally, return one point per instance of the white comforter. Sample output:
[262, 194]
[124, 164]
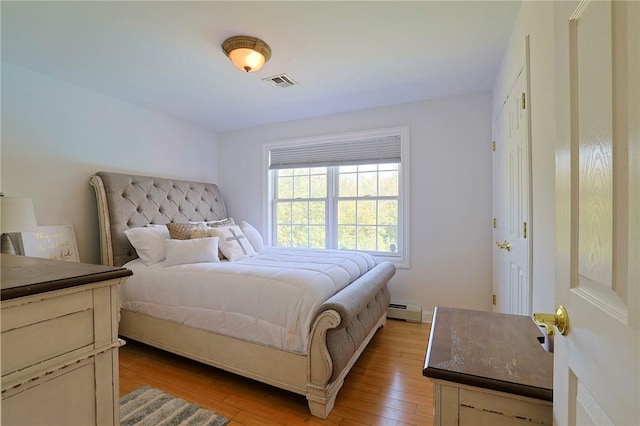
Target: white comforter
[270, 298]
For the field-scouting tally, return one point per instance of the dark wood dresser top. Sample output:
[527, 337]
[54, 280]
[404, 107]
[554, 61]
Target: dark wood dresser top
[23, 276]
[489, 350]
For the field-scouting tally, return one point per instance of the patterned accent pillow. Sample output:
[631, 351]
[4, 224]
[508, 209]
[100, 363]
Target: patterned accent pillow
[222, 222]
[186, 231]
[227, 221]
[233, 243]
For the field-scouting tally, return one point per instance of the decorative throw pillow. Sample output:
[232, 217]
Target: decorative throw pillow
[227, 221]
[233, 243]
[196, 250]
[253, 235]
[222, 222]
[185, 231]
[149, 244]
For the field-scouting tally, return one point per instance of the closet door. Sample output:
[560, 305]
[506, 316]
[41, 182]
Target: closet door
[511, 187]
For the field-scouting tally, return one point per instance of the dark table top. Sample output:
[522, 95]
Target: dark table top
[489, 350]
[23, 276]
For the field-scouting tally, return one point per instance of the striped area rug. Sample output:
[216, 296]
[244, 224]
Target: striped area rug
[147, 406]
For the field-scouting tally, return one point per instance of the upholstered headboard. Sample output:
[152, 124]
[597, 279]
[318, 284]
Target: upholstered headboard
[127, 201]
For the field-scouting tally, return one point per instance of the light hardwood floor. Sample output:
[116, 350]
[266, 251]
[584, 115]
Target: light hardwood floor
[385, 387]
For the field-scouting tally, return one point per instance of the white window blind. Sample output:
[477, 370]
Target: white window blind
[343, 153]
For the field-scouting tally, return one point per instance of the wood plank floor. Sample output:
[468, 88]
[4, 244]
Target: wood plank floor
[385, 387]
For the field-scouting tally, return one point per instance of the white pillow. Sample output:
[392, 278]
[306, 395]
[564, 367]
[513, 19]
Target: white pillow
[233, 243]
[195, 250]
[149, 244]
[161, 229]
[253, 235]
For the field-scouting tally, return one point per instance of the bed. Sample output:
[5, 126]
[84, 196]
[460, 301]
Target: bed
[310, 355]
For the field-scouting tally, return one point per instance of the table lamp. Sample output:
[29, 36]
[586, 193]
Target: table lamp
[16, 215]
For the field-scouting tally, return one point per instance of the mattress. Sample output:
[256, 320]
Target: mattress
[269, 299]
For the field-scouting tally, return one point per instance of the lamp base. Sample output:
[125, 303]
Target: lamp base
[7, 246]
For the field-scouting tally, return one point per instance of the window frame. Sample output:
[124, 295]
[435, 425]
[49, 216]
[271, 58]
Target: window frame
[401, 259]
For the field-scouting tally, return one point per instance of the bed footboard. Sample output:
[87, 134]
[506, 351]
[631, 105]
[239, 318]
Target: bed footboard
[343, 327]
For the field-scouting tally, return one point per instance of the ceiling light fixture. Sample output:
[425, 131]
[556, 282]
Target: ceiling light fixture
[247, 53]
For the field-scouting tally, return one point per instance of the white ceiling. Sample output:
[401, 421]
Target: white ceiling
[347, 55]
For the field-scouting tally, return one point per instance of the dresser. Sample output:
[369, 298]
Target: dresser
[59, 342]
[488, 369]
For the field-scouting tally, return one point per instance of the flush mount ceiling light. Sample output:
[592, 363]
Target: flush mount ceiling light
[247, 53]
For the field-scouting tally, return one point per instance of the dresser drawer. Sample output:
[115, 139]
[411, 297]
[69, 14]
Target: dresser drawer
[40, 330]
[70, 396]
[481, 407]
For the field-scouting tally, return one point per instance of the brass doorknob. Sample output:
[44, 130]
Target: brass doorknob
[560, 319]
[504, 245]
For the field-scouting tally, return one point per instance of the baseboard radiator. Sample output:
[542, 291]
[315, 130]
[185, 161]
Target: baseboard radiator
[404, 311]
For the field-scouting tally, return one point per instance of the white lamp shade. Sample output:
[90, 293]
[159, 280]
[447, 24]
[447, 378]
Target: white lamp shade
[17, 214]
[247, 59]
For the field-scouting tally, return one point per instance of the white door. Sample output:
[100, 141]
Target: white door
[597, 364]
[512, 283]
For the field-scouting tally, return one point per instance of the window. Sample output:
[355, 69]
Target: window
[301, 207]
[341, 191]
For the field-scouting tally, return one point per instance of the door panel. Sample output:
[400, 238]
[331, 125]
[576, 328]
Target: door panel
[597, 364]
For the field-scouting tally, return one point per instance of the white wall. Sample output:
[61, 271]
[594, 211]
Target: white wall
[450, 160]
[536, 20]
[55, 135]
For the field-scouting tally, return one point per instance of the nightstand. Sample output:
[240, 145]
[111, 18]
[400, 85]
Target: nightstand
[488, 369]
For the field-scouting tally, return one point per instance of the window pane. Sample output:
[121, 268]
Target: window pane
[388, 183]
[388, 239]
[284, 235]
[319, 186]
[299, 213]
[318, 170]
[347, 185]
[368, 168]
[388, 212]
[388, 166]
[301, 172]
[348, 169]
[300, 236]
[367, 184]
[317, 237]
[284, 213]
[317, 213]
[346, 212]
[285, 187]
[285, 172]
[346, 237]
[367, 238]
[367, 213]
[301, 186]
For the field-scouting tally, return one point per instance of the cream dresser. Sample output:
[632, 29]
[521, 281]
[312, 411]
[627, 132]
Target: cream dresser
[59, 342]
[488, 369]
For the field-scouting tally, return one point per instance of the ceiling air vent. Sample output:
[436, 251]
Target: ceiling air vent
[280, 80]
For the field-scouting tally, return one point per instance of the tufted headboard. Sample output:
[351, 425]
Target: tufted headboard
[128, 201]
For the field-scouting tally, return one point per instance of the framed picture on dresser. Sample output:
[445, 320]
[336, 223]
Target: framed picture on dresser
[56, 242]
